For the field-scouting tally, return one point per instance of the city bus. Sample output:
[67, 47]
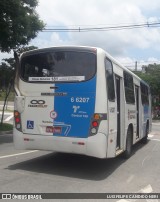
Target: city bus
[79, 100]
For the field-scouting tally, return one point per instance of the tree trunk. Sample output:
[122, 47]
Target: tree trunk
[5, 100]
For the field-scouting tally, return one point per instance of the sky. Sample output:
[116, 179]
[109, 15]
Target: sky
[126, 45]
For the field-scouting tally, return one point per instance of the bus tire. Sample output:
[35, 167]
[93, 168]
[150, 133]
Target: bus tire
[145, 138]
[127, 153]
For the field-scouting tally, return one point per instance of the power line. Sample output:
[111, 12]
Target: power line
[104, 28]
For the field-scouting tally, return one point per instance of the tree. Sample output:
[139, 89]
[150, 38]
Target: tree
[6, 96]
[7, 67]
[151, 76]
[7, 75]
[6, 72]
[24, 49]
[19, 23]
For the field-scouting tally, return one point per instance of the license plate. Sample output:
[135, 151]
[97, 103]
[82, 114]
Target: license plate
[52, 129]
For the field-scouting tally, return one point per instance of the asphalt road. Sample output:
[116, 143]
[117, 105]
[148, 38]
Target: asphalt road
[50, 172]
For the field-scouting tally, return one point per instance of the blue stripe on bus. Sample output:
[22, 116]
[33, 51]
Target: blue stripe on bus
[75, 110]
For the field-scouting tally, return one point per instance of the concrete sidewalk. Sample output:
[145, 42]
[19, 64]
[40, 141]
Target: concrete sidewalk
[156, 123]
[8, 103]
[9, 106]
[8, 118]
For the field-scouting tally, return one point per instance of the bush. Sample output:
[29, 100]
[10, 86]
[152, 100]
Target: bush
[6, 127]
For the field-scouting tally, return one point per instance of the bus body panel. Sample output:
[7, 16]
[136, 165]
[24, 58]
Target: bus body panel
[89, 147]
[75, 110]
[112, 129]
[62, 112]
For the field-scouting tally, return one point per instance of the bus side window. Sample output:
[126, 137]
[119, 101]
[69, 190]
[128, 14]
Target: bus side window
[144, 94]
[129, 88]
[110, 80]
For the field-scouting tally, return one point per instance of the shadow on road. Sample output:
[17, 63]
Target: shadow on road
[75, 166]
[70, 165]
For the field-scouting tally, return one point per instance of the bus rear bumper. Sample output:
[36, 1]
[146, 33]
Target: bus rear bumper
[95, 146]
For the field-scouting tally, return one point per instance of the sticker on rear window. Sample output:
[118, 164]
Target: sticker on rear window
[64, 78]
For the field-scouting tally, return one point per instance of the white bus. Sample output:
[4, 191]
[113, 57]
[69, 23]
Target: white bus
[79, 100]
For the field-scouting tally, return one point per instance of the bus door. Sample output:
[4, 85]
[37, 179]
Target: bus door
[118, 92]
[137, 110]
[112, 109]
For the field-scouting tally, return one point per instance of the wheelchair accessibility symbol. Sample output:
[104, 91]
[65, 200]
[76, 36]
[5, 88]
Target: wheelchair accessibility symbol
[30, 124]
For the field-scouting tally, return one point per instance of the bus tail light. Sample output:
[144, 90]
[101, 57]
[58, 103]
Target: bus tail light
[94, 127]
[95, 122]
[17, 120]
[97, 116]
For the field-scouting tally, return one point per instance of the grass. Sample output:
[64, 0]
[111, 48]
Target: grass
[6, 127]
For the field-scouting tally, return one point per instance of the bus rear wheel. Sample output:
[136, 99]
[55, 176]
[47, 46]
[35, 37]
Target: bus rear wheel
[145, 138]
[127, 153]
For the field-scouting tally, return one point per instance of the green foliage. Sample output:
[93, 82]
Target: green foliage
[152, 77]
[6, 73]
[25, 48]
[6, 127]
[10, 97]
[7, 68]
[19, 23]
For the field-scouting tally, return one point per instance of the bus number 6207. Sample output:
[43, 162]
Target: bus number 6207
[80, 99]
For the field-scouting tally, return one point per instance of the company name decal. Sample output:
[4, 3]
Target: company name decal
[51, 122]
[51, 129]
[37, 103]
[54, 94]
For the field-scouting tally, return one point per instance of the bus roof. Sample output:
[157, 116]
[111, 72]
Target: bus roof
[40, 50]
[83, 48]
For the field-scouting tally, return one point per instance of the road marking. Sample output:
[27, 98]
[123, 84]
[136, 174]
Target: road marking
[130, 179]
[124, 200]
[9, 118]
[149, 135]
[147, 189]
[147, 157]
[7, 113]
[7, 156]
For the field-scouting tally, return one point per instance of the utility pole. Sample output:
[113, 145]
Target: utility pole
[136, 66]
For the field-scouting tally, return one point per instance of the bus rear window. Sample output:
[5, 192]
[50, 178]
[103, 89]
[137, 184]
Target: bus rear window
[58, 66]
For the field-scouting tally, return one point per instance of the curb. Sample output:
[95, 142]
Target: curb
[156, 122]
[6, 132]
